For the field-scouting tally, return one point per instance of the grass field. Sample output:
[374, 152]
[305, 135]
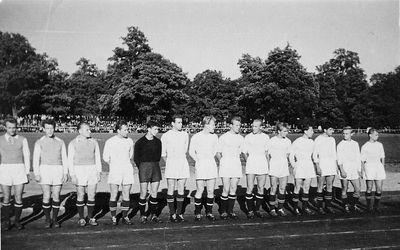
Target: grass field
[391, 142]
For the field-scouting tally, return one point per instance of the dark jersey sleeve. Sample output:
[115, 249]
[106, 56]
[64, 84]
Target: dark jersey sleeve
[137, 152]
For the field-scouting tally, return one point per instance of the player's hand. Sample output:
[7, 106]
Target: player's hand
[98, 177]
[74, 180]
[319, 171]
[65, 178]
[361, 174]
[343, 174]
[28, 177]
[37, 178]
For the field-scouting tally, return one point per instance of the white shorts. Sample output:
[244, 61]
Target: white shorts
[121, 177]
[86, 175]
[230, 167]
[304, 170]
[279, 168]
[351, 170]
[257, 164]
[206, 169]
[328, 167]
[177, 169]
[374, 171]
[13, 174]
[51, 174]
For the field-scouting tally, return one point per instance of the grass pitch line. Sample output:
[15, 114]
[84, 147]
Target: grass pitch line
[110, 229]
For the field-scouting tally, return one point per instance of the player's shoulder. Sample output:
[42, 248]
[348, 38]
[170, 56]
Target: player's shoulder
[21, 137]
[40, 140]
[58, 139]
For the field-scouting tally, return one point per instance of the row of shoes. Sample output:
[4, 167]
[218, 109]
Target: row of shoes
[83, 222]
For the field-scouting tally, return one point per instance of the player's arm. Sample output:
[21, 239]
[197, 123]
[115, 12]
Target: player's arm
[192, 148]
[340, 161]
[164, 147]
[358, 155]
[64, 160]
[27, 157]
[136, 153]
[315, 157]
[106, 152]
[219, 148]
[97, 158]
[292, 154]
[71, 167]
[36, 161]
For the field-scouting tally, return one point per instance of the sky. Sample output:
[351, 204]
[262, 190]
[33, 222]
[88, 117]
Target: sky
[203, 34]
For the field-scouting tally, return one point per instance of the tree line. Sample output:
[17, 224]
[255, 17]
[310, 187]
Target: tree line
[140, 83]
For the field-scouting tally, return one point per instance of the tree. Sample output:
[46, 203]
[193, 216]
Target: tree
[279, 88]
[211, 94]
[22, 74]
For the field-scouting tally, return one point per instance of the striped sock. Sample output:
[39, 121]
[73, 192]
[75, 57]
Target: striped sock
[250, 202]
[304, 200]
[6, 211]
[259, 201]
[281, 200]
[209, 206]
[179, 203]
[17, 211]
[113, 208]
[197, 206]
[125, 208]
[46, 209]
[171, 204]
[295, 200]
[224, 204]
[80, 206]
[153, 205]
[377, 200]
[231, 202]
[368, 198]
[272, 201]
[90, 207]
[345, 200]
[142, 207]
[56, 207]
[320, 199]
[328, 199]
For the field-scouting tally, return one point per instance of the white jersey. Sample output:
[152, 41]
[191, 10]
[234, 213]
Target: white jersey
[118, 153]
[203, 148]
[371, 155]
[348, 155]
[325, 154]
[230, 145]
[278, 150]
[301, 158]
[256, 146]
[174, 147]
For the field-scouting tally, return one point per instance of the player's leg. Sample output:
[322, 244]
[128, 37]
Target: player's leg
[114, 188]
[125, 204]
[153, 202]
[356, 195]
[345, 201]
[272, 195]
[368, 195]
[210, 198]
[171, 183]
[46, 204]
[320, 192]
[296, 195]
[329, 193]
[226, 183]
[249, 195]
[261, 179]
[80, 204]
[6, 206]
[55, 195]
[305, 196]
[232, 197]
[91, 194]
[281, 195]
[18, 205]
[142, 201]
[180, 198]
[378, 194]
[197, 199]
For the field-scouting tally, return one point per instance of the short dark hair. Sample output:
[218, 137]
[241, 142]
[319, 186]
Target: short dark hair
[326, 126]
[234, 118]
[305, 127]
[372, 130]
[347, 128]
[281, 125]
[152, 123]
[119, 124]
[207, 119]
[80, 124]
[10, 120]
[49, 122]
[176, 116]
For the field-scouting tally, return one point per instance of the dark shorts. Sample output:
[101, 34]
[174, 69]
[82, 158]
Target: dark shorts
[149, 172]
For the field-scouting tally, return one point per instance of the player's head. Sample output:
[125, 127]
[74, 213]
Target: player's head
[84, 129]
[328, 129]
[122, 128]
[347, 132]
[177, 122]
[11, 126]
[308, 130]
[208, 123]
[152, 127]
[49, 126]
[282, 128]
[373, 134]
[256, 126]
[234, 123]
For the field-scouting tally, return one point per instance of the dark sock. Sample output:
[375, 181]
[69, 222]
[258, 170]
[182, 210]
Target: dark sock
[179, 203]
[6, 211]
[345, 200]
[281, 200]
[377, 200]
[250, 202]
[320, 199]
[46, 209]
[80, 206]
[231, 203]
[368, 198]
[124, 208]
[171, 204]
[272, 201]
[259, 200]
[90, 208]
[197, 206]
[304, 199]
[142, 207]
[295, 200]
[113, 208]
[328, 199]
[224, 204]
[209, 205]
[17, 211]
[56, 208]
[153, 203]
